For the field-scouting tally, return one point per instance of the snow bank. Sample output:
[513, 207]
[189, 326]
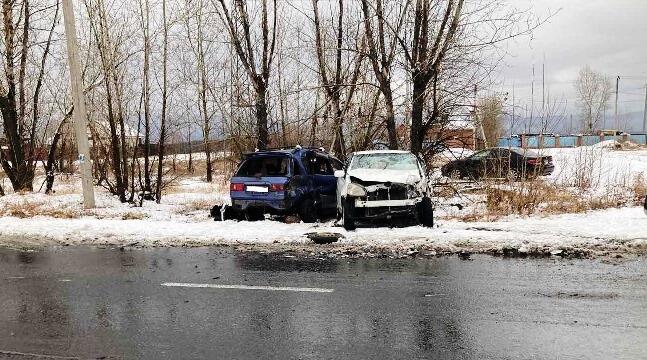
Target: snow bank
[607, 230]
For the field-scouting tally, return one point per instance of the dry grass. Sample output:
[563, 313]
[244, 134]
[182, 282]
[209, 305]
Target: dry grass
[639, 189]
[134, 215]
[199, 167]
[193, 206]
[27, 209]
[537, 198]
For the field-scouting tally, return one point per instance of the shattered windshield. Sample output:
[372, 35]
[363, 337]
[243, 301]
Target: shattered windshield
[399, 161]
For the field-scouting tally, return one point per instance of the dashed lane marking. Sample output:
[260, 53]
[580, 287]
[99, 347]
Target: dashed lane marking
[249, 287]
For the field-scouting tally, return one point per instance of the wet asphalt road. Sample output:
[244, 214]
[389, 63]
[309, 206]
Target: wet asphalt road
[107, 303]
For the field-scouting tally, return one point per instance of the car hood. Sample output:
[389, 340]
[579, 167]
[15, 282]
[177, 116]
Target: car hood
[395, 176]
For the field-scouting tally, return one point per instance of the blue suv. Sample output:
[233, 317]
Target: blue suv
[297, 181]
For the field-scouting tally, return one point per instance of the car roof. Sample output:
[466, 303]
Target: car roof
[287, 152]
[367, 152]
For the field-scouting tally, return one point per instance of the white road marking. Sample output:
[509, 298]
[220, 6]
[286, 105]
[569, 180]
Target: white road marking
[434, 295]
[249, 287]
[64, 280]
[32, 355]
[15, 277]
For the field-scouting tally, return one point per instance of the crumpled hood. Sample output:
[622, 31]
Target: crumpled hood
[410, 177]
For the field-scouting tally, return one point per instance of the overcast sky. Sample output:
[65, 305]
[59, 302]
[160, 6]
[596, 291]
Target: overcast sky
[608, 35]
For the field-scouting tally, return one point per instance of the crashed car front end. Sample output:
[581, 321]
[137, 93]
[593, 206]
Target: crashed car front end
[383, 200]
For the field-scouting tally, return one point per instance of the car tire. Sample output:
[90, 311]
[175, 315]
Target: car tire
[307, 211]
[254, 215]
[347, 214]
[426, 212]
[513, 175]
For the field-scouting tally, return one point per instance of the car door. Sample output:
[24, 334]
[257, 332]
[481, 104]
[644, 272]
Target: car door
[476, 164]
[497, 163]
[323, 178]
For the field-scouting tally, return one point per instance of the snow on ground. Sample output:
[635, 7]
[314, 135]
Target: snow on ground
[182, 218]
[598, 167]
[607, 230]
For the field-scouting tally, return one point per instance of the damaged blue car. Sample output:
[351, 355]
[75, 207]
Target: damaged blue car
[299, 181]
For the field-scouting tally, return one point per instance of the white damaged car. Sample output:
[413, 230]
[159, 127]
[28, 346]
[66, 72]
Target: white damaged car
[383, 185]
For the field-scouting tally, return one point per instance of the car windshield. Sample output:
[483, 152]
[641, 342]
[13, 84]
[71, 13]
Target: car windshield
[264, 166]
[398, 161]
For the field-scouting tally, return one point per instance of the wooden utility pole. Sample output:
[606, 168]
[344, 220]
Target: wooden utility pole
[79, 114]
[616, 110]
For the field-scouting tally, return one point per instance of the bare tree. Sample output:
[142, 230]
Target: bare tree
[162, 139]
[258, 73]
[490, 113]
[340, 79]
[19, 126]
[425, 55]
[593, 92]
[381, 52]
[144, 7]
[109, 44]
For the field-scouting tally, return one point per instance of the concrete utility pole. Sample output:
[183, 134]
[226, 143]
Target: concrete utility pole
[79, 114]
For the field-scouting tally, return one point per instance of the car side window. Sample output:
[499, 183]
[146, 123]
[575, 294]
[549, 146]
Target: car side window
[322, 166]
[318, 165]
[503, 153]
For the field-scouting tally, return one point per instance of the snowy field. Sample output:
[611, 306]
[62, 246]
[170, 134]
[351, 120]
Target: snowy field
[182, 219]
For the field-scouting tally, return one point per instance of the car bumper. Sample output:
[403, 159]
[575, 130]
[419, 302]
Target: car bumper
[386, 203]
[385, 209]
[271, 207]
[547, 170]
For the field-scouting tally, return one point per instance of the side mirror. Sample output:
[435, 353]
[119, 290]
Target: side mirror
[340, 173]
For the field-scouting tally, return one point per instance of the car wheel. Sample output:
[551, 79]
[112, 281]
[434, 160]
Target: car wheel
[513, 175]
[348, 212]
[455, 174]
[307, 211]
[426, 212]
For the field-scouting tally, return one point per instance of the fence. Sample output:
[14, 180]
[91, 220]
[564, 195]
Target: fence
[564, 141]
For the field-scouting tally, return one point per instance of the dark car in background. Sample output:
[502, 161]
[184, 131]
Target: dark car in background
[510, 163]
[297, 181]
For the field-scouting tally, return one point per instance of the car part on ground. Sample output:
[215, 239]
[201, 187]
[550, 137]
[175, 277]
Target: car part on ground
[324, 237]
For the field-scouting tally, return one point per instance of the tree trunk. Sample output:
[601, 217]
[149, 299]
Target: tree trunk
[417, 107]
[390, 118]
[261, 116]
[160, 160]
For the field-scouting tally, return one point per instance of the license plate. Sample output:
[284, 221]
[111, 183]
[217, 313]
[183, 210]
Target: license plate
[259, 189]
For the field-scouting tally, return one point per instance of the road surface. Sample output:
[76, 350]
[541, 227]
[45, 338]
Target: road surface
[212, 303]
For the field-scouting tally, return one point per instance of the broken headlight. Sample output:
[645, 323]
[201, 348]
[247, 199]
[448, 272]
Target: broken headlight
[355, 190]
